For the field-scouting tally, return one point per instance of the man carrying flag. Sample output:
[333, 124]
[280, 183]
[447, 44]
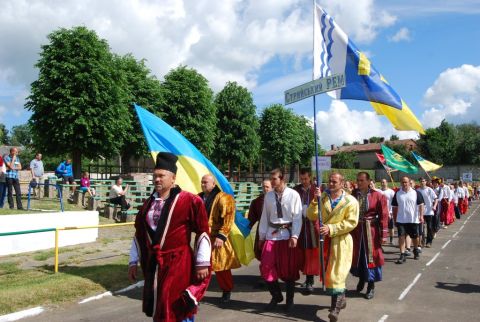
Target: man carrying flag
[339, 216]
[221, 215]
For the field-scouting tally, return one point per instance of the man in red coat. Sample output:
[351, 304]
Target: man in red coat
[309, 237]
[255, 212]
[368, 236]
[176, 278]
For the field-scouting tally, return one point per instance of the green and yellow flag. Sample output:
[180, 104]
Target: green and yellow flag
[396, 161]
[426, 165]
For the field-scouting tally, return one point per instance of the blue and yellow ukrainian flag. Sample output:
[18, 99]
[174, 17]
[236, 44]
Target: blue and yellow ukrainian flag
[426, 165]
[192, 166]
[335, 53]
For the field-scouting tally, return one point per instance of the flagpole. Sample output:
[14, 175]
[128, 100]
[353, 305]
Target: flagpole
[317, 172]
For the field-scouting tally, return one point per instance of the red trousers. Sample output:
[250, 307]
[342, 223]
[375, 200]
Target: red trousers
[225, 280]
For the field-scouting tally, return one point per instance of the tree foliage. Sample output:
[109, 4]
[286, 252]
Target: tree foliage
[468, 144]
[3, 134]
[237, 126]
[21, 135]
[188, 106]
[145, 90]
[375, 139]
[343, 160]
[394, 137]
[439, 144]
[78, 103]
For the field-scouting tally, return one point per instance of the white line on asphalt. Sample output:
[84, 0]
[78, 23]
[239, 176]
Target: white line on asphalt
[21, 314]
[433, 259]
[461, 228]
[445, 245]
[383, 318]
[455, 235]
[131, 287]
[409, 287]
[96, 297]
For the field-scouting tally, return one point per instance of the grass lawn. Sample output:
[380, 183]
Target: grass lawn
[21, 289]
[46, 204]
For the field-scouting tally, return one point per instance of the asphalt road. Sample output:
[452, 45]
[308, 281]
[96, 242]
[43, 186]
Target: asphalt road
[444, 285]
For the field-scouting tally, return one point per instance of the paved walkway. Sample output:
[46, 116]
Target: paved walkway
[444, 285]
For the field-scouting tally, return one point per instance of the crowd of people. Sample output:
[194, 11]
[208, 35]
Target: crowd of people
[353, 221]
[10, 165]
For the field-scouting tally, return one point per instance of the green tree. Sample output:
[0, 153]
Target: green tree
[439, 144]
[145, 90]
[78, 103]
[278, 133]
[237, 130]
[394, 137]
[21, 135]
[343, 160]
[468, 144]
[189, 108]
[375, 139]
[3, 134]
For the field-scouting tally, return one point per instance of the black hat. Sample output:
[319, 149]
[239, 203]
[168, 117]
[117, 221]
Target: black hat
[166, 161]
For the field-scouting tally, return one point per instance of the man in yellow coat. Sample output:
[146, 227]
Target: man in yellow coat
[339, 217]
[221, 216]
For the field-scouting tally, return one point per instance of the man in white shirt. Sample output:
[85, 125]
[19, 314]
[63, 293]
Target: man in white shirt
[389, 193]
[408, 209]
[117, 195]
[431, 201]
[36, 168]
[279, 229]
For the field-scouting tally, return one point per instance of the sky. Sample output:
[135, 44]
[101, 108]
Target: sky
[428, 51]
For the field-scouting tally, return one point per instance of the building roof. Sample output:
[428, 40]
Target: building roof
[370, 147]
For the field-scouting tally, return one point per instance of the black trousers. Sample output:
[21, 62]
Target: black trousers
[429, 221]
[120, 200]
[14, 184]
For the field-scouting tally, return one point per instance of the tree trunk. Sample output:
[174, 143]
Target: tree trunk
[77, 164]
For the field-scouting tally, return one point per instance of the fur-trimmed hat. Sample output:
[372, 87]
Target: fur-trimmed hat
[166, 161]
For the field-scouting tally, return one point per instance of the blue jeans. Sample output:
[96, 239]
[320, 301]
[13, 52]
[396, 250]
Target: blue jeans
[3, 193]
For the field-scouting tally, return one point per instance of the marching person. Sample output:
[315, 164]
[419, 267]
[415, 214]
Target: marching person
[431, 201]
[176, 277]
[408, 214]
[309, 235]
[339, 217]
[279, 229]
[389, 193]
[255, 212]
[369, 235]
[221, 215]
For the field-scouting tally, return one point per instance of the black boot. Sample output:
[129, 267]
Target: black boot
[416, 253]
[370, 291]
[225, 297]
[401, 259]
[277, 297]
[309, 285]
[290, 285]
[339, 302]
[360, 285]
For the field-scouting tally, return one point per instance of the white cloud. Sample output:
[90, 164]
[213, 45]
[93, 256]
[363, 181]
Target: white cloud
[228, 40]
[403, 34]
[454, 96]
[341, 124]
[360, 19]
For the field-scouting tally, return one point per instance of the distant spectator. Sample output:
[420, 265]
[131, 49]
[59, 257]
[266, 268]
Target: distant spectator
[13, 164]
[85, 186]
[36, 168]
[3, 184]
[117, 194]
[65, 171]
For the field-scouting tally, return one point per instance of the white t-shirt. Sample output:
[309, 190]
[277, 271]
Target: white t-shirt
[388, 193]
[291, 204]
[407, 203]
[115, 191]
[429, 197]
